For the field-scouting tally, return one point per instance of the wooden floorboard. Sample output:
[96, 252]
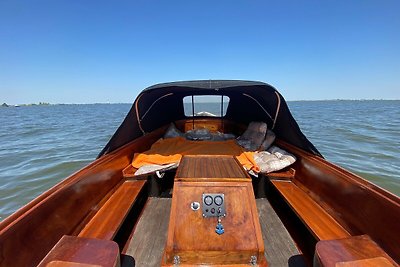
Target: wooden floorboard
[147, 245]
[280, 249]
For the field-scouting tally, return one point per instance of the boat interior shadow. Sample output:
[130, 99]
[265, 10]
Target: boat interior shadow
[161, 187]
[297, 261]
[127, 261]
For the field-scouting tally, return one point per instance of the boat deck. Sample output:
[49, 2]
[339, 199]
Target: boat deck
[150, 234]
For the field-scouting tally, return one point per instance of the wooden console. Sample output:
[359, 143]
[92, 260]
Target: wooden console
[192, 239]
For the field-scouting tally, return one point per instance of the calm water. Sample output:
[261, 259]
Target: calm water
[41, 145]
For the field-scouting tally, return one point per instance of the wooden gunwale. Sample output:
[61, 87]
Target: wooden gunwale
[72, 179]
[333, 187]
[345, 174]
[123, 156]
[349, 176]
[61, 210]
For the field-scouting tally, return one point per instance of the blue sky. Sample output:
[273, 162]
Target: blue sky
[107, 51]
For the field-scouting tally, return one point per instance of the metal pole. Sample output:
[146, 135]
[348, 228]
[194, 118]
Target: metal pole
[192, 112]
[222, 111]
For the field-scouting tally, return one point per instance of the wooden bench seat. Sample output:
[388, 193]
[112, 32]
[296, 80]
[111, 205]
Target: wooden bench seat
[107, 221]
[353, 251]
[322, 225]
[129, 171]
[81, 252]
[284, 174]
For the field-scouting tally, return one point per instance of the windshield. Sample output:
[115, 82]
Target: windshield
[205, 105]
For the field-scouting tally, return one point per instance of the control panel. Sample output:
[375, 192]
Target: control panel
[213, 205]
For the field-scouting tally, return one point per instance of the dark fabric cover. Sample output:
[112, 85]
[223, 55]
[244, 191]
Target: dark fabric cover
[161, 104]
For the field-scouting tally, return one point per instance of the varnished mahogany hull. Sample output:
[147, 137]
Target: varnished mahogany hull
[360, 206]
[29, 234]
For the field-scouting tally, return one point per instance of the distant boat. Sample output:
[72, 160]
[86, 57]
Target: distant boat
[209, 202]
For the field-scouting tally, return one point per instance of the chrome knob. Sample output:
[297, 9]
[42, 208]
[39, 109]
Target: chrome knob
[195, 206]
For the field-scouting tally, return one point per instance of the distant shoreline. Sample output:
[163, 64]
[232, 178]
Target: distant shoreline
[5, 105]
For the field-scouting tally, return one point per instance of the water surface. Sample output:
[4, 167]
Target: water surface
[42, 145]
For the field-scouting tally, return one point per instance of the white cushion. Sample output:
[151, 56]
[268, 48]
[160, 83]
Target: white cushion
[274, 159]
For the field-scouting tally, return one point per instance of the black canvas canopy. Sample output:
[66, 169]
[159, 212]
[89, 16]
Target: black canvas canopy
[161, 104]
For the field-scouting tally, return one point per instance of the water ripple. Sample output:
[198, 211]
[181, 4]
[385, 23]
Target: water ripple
[361, 136]
[42, 145]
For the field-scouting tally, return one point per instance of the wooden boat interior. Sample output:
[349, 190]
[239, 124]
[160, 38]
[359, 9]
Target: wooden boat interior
[104, 215]
[294, 213]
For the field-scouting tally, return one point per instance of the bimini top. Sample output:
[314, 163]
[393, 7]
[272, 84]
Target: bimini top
[161, 104]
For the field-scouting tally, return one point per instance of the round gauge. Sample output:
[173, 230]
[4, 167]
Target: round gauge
[218, 200]
[208, 200]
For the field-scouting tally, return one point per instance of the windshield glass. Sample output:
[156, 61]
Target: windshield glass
[205, 105]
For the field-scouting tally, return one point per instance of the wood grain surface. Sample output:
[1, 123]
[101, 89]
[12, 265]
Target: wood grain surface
[329, 253]
[193, 237]
[29, 234]
[210, 168]
[322, 225]
[77, 251]
[150, 234]
[107, 221]
[357, 204]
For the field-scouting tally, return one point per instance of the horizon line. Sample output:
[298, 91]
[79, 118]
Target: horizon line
[110, 103]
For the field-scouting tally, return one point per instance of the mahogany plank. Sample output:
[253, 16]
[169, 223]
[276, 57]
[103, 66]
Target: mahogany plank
[69, 264]
[129, 171]
[349, 252]
[321, 224]
[107, 221]
[210, 167]
[39, 225]
[373, 262]
[285, 174]
[212, 124]
[79, 251]
[357, 204]
[193, 238]
[262, 263]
